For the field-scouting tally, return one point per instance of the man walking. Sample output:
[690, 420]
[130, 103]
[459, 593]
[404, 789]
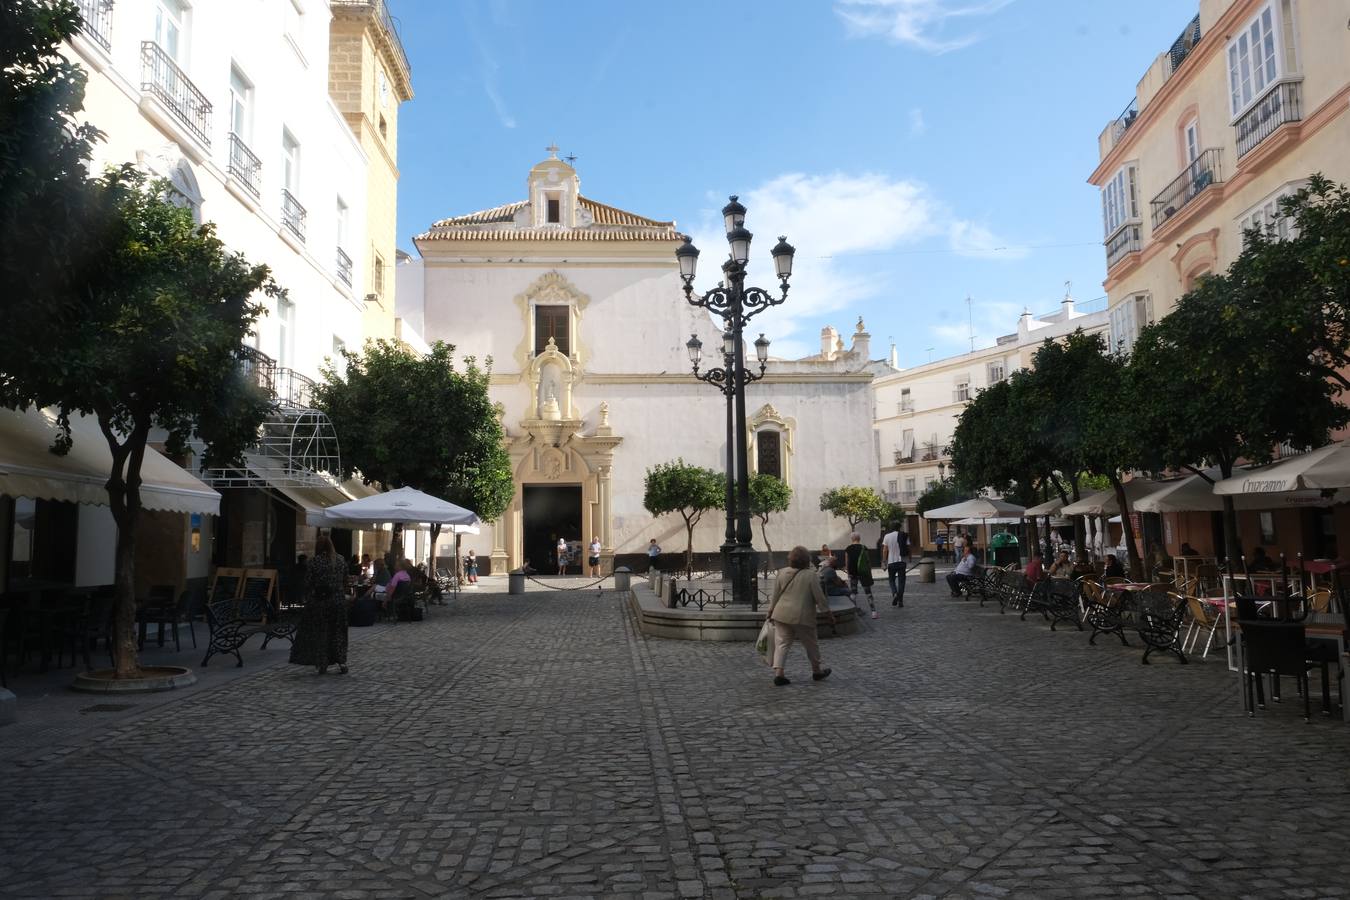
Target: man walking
[895, 555]
[859, 568]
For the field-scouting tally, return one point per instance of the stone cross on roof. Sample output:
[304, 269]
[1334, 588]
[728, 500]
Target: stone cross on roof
[552, 151]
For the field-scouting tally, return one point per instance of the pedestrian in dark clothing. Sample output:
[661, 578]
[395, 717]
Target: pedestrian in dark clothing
[859, 567]
[321, 636]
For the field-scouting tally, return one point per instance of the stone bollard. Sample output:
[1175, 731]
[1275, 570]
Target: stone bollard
[515, 582]
[622, 576]
[927, 568]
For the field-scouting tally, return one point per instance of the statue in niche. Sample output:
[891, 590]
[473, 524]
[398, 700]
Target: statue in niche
[550, 386]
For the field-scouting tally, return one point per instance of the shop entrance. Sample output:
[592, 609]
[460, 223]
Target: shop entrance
[549, 512]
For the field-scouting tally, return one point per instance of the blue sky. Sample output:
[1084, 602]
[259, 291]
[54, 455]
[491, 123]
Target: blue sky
[915, 152]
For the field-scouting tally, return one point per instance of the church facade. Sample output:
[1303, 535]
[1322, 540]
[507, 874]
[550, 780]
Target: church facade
[581, 309]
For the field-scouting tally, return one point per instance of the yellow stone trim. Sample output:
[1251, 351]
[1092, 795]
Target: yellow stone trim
[553, 288]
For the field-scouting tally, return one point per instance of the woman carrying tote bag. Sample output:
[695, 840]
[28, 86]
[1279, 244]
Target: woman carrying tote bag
[796, 597]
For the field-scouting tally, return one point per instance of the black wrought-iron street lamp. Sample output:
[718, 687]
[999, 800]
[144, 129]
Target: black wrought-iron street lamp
[736, 304]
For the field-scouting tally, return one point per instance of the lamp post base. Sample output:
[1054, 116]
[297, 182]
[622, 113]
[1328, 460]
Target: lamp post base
[744, 561]
[727, 565]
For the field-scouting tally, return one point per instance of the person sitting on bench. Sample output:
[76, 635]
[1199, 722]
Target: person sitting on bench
[964, 570]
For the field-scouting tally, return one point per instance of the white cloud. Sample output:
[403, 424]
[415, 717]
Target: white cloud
[923, 24]
[917, 126]
[974, 240]
[836, 221]
[488, 66]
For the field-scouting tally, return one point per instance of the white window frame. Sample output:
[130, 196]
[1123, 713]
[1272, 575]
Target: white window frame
[1255, 58]
[1127, 319]
[996, 371]
[1120, 199]
[341, 214]
[295, 21]
[290, 162]
[961, 391]
[171, 19]
[285, 332]
[241, 104]
[1265, 214]
[1190, 136]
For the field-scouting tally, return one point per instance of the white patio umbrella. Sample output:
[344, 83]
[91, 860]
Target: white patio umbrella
[997, 520]
[1326, 468]
[405, 506]
[1048, 508]
[981, 509]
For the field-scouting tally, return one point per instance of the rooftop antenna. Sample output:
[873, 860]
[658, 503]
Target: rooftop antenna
[970, 323]
[930, 354]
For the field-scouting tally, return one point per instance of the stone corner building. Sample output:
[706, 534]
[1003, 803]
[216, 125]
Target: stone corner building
[580, 306]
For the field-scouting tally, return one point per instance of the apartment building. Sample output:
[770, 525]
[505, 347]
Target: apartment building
[229, 102]
[1250, 99]
[917, 407]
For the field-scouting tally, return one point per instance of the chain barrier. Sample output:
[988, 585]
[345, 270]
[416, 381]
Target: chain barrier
[553, 587]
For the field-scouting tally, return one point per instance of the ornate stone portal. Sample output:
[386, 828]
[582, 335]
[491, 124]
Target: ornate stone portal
[550, 449]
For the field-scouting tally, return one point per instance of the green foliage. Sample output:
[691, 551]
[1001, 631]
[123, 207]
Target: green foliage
[154, 345]
[937, 495]
[407, 420]
[1248, 359]
[768, 495]
[688, 490]
[855, 504]
[57, 226]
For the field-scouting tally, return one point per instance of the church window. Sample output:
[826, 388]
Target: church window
[769, 459]
[554, 210]
[552, 322]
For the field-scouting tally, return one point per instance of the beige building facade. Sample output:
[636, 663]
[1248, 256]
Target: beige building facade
[917, 408]
[368, 78]
[1249, 101]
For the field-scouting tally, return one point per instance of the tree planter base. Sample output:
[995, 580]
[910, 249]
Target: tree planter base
[153, 678]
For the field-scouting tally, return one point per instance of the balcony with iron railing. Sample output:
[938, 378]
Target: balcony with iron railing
[1125, 241]
[1281, 104]
[1183, 45]
[293, 390]
[244, 167]
[1201, 174]
[902, 458]
[97, 16]
[169, 85]
[292, 215]
[257, 368]
[1122, 122]
[344, 267]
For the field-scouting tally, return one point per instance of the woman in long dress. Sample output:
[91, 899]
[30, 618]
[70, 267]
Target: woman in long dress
[321, 637]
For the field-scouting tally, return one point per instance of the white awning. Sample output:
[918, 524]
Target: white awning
[1103, 503]
[978, 508]
[28, 468]
[1326, 468]
[1196, 494]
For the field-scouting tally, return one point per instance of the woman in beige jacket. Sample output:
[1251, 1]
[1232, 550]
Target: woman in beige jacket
[792, 610]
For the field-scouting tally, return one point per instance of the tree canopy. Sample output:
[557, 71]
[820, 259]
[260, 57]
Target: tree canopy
[677, 487]
[854, 504]
[408, 420]
[768, 495]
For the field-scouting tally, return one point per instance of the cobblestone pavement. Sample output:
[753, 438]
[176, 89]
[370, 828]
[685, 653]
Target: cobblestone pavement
[537, 746]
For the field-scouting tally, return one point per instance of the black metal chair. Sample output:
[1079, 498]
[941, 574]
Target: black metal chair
[158, 608]
[1273, 648]
[1159, 619]
[1102, 611]
[1063, 602]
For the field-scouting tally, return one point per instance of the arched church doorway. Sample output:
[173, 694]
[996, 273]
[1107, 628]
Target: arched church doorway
[547, 513]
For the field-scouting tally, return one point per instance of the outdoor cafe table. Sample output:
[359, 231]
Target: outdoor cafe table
[1317, 627]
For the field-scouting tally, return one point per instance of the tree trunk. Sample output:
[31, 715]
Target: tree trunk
[764, 534]
[689, 549]
[396, 544]
[1231, 550]
[1033, 536]
[126, 663]
[1079, 529]
[431, 552]
[1127, 527]
[124, 499]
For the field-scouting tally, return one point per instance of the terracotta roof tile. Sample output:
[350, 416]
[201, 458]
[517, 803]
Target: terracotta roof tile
[611, 224]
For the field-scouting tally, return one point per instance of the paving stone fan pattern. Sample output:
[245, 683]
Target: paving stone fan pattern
[538, 746]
